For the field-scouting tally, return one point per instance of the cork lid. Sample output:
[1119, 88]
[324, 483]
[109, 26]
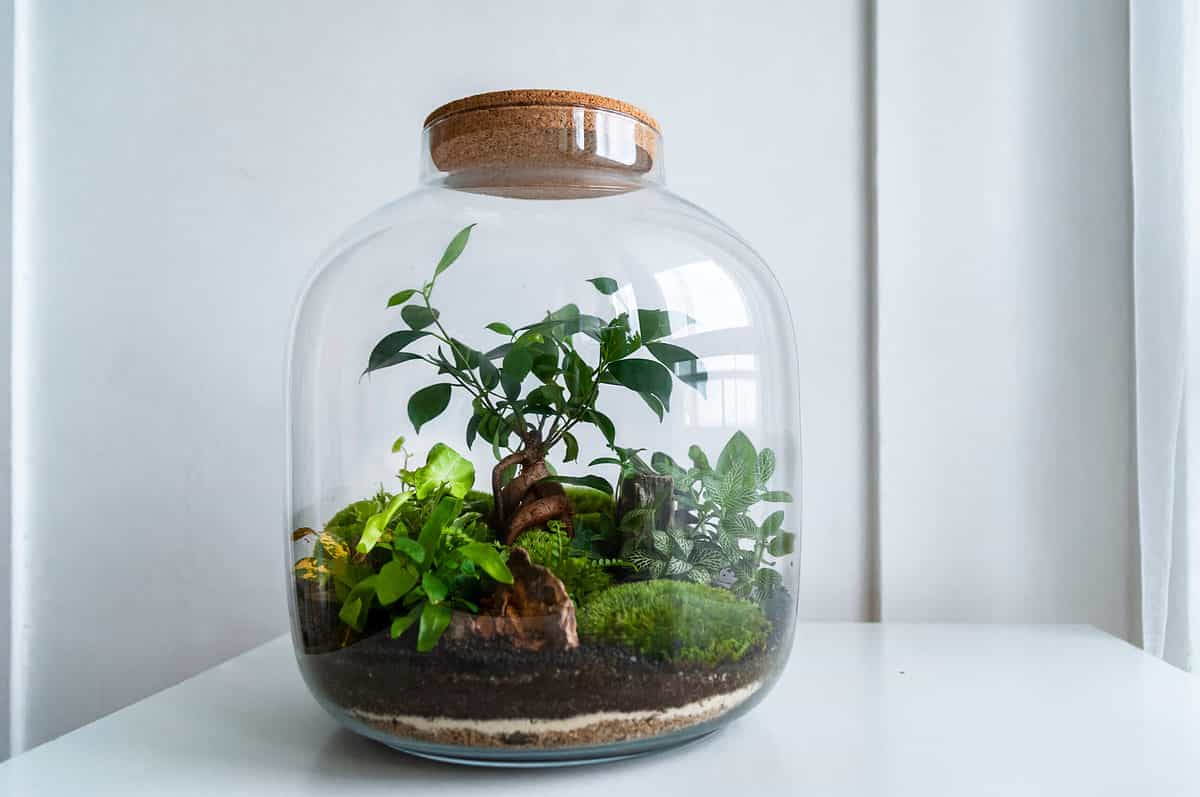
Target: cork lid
[500, 138]
[540, 98]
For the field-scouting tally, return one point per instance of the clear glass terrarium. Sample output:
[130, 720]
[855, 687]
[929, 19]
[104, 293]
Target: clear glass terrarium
[544, 450]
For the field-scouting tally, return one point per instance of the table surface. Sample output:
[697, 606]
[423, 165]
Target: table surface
[861, 710]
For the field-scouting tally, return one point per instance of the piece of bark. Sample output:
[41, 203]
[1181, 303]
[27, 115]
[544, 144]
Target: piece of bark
[533, 613]
[643, 491]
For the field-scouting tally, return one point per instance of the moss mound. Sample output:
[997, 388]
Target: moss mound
[583, 577]
[586, 500]
[675, 620]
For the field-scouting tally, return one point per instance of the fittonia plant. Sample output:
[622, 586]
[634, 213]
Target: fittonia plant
[711, 524]
[524, 425]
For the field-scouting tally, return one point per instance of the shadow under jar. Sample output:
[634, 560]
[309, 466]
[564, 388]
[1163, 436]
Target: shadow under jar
[544, 450]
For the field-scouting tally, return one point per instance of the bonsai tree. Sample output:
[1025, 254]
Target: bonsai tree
[524, 426]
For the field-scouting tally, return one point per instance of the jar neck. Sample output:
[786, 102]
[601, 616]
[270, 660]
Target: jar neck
[541, 152]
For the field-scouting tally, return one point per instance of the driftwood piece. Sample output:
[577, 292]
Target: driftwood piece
[532, 613]
[643, 491]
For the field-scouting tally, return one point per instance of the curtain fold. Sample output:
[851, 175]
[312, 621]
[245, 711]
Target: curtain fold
[1166, 187]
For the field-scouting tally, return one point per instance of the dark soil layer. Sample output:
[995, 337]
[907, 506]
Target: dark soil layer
[491, 680]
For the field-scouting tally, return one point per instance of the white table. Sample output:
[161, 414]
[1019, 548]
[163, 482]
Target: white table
[862, 710]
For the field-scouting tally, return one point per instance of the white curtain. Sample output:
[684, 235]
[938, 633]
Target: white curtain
[1165, 126]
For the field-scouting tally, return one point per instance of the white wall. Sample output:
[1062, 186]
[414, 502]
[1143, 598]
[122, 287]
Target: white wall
[1005, 322]
[190, 160]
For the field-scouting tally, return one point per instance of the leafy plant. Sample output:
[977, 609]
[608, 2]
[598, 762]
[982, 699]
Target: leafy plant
[415, 554]
[707, 542]
[675, 621]
[529, 423]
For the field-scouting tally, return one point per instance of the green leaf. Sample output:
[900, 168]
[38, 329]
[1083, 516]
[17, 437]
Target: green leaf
[685, 365]
[410, 548]
[783, 545]
[666, 466]
[464, 355]
[517, 363]
[595, 482]
[389, 350]
[372, 531]
[740, 527]
[616, 341]
[492, 428]
[489, 375]
[577, 375]
[434, 621]
[662, 542]
[765, 467]
[351, 613]
[500, 329]
[358, 603]
[603, 423]
[699, 458]
[773, 523]
[654, 404]
[777, 496]
[668, 353]
[405, 621]
[488, 558]
[428, 403]
[500, 351]
[444, 466]
[394, 581]
[644, 376]
[604, 461]
[455, 248]
[572, 447]
[513, 371]
[531, 338]
[545, 366]
[605, 285]
[401, 297]
[435, 589]
[738, 450]
[431, 532]
[544, 398]
[473, 428]
[654, 324]
[398, 445]
[374, 527]
[418, 317]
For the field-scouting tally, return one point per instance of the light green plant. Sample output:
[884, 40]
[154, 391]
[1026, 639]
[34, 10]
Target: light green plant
[714, 538]
[415, 555]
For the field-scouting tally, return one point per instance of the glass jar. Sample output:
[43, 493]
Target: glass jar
[544, 450]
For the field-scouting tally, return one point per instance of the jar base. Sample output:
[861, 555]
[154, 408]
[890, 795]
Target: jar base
[532, 758]
[574, 759]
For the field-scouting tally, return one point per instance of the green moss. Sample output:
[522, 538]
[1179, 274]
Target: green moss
[675, 620]
[585, 500]
[582, 576]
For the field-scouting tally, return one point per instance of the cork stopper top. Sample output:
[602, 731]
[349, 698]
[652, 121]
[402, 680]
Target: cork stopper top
[532, 98]
[542, 143]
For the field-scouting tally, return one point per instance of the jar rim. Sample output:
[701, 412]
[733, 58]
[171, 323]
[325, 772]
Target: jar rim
[540, 98]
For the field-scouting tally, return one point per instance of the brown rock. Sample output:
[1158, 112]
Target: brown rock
[532, 613]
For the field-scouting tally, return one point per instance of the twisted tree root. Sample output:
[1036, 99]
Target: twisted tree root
[537, 513]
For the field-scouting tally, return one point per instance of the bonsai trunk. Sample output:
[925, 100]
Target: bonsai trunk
[527, 502]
